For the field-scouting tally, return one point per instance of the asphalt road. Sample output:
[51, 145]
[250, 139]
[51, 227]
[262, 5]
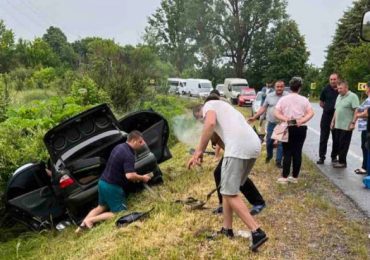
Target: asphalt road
[345, 179]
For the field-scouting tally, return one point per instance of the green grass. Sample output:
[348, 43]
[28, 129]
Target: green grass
[300, 220]
[26, 96]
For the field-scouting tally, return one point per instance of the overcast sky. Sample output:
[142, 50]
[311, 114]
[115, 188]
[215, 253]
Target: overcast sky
[125, 20]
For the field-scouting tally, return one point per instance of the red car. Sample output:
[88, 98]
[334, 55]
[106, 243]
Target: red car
[246, 97]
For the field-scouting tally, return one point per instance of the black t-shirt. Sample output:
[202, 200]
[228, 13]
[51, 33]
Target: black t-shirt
[329, 96]
[121, 161]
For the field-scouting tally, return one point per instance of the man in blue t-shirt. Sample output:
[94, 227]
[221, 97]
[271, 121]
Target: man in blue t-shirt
[115, 180]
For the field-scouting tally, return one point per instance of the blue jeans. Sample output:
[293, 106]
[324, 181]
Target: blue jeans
[270, 144]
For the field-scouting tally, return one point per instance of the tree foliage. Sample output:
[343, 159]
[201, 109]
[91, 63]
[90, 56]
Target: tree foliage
[347, 36]
[6, 48]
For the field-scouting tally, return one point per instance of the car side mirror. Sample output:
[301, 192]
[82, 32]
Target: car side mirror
[365, 27]
[229, 88]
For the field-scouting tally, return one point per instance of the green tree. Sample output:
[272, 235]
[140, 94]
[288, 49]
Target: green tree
[4, 96]
[356, 66]
[59, 44]
[347, 35]
[168, 32]
[40, 53]
[6, 48]
[288, 55]
[239, 22]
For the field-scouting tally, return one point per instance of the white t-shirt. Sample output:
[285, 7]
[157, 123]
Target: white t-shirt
[238, 136]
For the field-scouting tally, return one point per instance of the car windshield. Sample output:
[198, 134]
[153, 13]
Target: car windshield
[248, 92]
[220, 87]
[238, 87]
[206, 86]
[173, 83]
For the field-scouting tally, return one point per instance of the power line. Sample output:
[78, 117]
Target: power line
[25, 15]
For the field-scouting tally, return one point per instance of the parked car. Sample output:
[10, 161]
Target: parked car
[220, 88]
[176, 85]
[79, 148]
[246, 97]
[233, 87]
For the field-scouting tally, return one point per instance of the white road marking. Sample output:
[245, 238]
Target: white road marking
[350, 152]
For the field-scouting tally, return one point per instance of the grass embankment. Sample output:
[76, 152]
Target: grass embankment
[300, 220]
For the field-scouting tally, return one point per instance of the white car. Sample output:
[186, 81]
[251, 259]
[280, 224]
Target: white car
[220, 88]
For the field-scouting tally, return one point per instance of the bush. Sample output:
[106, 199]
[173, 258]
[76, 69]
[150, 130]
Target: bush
[169, 107]
[85, 92]
[21, 134]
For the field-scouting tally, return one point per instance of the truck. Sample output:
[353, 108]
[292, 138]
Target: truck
[198, 87]
[233, 88]
[176, 85]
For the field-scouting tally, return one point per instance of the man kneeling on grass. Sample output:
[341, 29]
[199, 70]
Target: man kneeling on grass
[115, 180]
[242, 147]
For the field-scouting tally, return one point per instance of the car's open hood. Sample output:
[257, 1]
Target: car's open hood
[89, 126]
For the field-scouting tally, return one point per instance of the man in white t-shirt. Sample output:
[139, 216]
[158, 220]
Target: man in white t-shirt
[242, 147]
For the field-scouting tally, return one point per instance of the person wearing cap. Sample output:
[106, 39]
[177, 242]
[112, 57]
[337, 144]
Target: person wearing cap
[344, 122]
[362, 127]
[294, 110]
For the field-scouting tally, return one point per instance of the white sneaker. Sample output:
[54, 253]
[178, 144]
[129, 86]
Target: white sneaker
[282, 180]
[292, 179]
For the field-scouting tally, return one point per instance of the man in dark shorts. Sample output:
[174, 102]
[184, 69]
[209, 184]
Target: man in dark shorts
[115, 180]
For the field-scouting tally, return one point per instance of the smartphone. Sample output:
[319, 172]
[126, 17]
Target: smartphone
[292, 122]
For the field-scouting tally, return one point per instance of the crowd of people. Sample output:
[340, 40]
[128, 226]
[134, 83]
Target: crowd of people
[228, 130]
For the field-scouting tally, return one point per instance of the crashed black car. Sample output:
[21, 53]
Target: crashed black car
[79, 149]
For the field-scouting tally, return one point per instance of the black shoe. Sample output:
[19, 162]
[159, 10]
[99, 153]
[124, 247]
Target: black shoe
[258, 238]
[225, 232]
[320, 161]
[279, 165]
[334, 160]
[339, 165]
[218, 210]
[257, 209]
[268, 160]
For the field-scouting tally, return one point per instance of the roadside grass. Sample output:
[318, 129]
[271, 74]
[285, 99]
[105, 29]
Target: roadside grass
[26, 96]
[300, 219]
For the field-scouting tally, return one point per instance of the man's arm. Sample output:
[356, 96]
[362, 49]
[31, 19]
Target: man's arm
[208, 129]
[322, 104]
[259, 112]
[332, 124]
[134, 177]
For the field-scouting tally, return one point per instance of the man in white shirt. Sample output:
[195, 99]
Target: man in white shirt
[242, 147]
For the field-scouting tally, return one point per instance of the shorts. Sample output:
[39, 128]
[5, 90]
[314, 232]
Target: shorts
[111, 196]
[234, 173]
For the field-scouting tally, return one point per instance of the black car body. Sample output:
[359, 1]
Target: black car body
[79, 148]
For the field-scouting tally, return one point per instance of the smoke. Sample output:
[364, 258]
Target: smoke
[187, 129]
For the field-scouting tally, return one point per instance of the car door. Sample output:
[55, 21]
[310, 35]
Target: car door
[29, 193]
[154, 128]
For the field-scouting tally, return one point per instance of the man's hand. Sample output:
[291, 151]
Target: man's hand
[352, 126]
[332, 125]
[197, 159]
[145, 178]
[251, 119]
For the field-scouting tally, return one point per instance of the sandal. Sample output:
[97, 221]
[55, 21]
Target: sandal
[360, 171]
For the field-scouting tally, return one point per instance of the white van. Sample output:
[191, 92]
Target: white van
[198, 87]
[176, 85]
[233, 87]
